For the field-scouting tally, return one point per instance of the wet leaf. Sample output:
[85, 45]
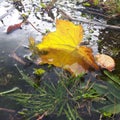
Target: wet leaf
[105, 61]
[108, 110]
[14, 27]
[39, 71]
[63, 48]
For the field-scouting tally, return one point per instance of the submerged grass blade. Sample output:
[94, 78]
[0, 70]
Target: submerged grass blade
[114, 91]
[100, 89]
[70, 112]
[66, 96]
[28, 79]
[114, 78]
[9, 91]
[110, 109]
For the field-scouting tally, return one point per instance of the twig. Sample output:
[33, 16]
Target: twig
[90, 22]
[7, 110]
[34, 27]
[64, 14]
[97, 24]
[89, 11]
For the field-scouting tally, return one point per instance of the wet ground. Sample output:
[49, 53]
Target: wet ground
[16, 41]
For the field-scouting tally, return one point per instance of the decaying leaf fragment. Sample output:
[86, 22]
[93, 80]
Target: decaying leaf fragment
[63, 49]
[14, 27]
[105, 61]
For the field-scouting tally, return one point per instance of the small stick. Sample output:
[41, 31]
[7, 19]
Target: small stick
[98, 24]
[89, 11]
[7, 110]
[34, 27]
[90, 22]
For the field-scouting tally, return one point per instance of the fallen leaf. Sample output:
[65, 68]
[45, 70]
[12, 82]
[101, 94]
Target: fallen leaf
[62, 48]
[14, 27]
[105, 61]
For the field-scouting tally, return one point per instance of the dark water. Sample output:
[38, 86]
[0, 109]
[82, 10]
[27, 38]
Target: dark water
[9, 75]
[110, 44]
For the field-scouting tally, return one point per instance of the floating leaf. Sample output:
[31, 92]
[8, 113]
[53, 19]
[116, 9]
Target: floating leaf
[105, 61]
[14, 27]
[63, 49]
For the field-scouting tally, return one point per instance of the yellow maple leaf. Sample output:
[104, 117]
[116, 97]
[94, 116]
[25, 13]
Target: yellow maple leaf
[62, 48]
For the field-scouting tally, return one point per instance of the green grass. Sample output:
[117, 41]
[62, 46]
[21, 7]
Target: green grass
[68, 96]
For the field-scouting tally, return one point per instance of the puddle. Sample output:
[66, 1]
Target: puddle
[15, 42]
